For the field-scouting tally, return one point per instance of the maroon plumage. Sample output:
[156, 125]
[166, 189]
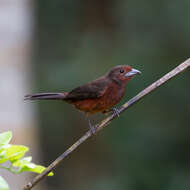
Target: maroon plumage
[99, 95]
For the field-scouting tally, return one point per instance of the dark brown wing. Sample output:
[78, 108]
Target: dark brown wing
[94, 89]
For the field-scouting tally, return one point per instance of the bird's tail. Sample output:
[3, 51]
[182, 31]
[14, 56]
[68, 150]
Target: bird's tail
[46, 96]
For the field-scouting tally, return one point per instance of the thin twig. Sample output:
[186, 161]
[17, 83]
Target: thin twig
[106, 121]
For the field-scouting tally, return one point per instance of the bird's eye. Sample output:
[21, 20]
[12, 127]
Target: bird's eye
[121, 71]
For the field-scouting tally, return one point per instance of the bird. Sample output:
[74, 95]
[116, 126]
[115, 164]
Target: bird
[97, 96]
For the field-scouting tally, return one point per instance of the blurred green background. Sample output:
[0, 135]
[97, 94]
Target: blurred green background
[148, 147]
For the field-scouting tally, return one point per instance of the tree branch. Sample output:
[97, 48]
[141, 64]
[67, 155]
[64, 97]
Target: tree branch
[106, 121]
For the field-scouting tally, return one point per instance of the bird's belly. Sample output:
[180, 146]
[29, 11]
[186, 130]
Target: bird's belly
[107, 101]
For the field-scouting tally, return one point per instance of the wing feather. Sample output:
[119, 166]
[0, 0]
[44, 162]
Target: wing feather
[94, 89]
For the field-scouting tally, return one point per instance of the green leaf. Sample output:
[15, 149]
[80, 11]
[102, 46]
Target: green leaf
[25, 164]
[22, 162]
[3, 184]
[2, 155]
[5, 137]
[3, 159]
[16, 152]
[3, 152]
[35, 168]
[12, 153]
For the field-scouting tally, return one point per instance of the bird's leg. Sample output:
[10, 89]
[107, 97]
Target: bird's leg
[92, 128]
[115, 112]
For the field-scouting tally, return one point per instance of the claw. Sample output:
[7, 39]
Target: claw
[116, 112]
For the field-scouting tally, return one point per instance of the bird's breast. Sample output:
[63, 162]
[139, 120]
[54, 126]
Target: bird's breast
[113, 95]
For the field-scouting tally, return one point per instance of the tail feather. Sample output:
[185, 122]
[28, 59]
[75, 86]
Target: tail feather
[46, 96]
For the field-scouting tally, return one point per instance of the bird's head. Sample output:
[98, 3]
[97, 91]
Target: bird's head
[122, 73]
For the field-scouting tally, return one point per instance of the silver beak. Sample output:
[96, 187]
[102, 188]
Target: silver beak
[132, 72]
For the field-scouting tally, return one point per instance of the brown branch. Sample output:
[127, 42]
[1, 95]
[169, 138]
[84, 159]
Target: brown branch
[106, 121]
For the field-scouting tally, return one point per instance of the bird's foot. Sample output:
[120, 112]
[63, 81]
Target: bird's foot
[92, 128]
[116, 112]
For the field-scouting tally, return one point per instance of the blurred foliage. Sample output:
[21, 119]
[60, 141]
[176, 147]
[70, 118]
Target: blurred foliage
[12, 155]
[77, 41]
